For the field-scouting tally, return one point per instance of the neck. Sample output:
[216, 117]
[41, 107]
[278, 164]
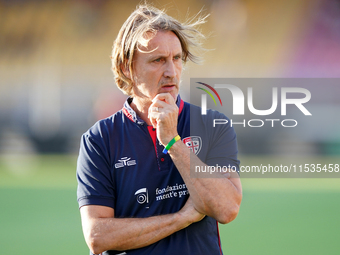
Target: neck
[141, 107]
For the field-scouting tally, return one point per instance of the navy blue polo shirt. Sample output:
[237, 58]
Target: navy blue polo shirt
[121, 165]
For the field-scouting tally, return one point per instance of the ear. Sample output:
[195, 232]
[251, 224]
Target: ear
[126, 71]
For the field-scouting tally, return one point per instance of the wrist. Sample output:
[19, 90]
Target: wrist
[184, 218]
[176, 147]
[166, 140]
[171, 143]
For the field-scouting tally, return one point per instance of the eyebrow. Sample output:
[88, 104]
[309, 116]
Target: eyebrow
[156, 56]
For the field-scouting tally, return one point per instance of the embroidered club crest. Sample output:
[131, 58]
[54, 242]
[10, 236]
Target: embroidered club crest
[194, 143]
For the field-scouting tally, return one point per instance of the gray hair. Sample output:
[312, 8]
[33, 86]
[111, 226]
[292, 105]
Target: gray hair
[132, 34]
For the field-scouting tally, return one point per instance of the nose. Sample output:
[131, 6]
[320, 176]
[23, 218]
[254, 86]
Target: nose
[170, 70]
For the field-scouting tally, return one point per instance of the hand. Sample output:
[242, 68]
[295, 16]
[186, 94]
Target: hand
[163, 114]
[190, 212]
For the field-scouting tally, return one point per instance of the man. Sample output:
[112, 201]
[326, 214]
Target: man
[134, 173]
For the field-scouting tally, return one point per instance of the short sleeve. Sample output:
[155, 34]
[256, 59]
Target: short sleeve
[94, 174]
[223, 145]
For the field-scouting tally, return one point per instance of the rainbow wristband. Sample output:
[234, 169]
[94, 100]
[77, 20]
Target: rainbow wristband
[172, 142]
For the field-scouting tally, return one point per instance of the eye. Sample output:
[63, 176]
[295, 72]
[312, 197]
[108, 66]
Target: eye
[157, 60]
[177, 57]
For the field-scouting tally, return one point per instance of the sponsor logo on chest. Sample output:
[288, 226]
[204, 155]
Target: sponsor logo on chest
[125, 161]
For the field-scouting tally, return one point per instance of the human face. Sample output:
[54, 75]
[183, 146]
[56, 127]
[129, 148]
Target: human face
[157, 68]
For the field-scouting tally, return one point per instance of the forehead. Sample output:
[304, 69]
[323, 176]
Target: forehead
[163, 42]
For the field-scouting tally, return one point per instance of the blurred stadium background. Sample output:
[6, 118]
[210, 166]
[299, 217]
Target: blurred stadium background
[55, 82]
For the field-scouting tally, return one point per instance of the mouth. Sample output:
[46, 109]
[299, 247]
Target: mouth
[168, 87]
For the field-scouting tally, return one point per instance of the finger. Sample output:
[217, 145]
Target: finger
[159, 104]
[165, 97]
[153, 109]
[162, 106]
[153, 123]
[153, 117]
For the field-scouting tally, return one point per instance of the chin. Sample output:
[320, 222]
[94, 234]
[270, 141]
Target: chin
[175, 96]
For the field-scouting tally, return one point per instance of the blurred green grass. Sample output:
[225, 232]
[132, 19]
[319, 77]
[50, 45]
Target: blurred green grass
[39, 213]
